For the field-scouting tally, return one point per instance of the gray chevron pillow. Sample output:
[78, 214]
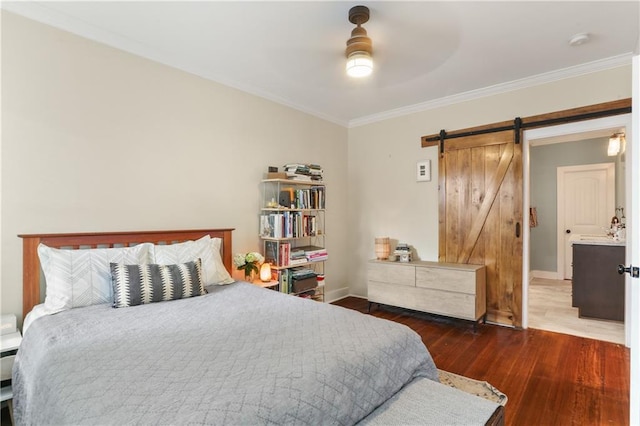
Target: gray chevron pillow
[140, 284]
[77, 278]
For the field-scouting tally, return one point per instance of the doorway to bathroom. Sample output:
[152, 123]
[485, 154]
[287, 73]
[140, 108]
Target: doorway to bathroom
[548, 295]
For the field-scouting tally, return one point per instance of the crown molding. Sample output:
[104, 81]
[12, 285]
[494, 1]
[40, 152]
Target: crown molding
[39, 11]
[536, 80]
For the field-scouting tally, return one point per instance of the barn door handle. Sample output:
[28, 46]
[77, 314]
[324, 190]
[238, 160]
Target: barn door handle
[517, 229]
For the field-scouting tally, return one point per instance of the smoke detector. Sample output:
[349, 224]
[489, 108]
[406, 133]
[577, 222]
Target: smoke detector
[579, 39]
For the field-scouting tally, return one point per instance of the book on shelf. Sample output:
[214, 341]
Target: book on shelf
[297, 256]
[302, 273]
[318, 257]
[285, 280]
[303, 198]
[289, 224]
[277, 253]
[271, 252]
[317, 197]
[271, 225]
[314, 253]
[266, 226]
[297, 252]
[301, 261]
[311, 249]
[301, 178]
[303, 172]
[315, 169]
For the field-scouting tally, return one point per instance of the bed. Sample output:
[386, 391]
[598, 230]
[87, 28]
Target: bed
[235, 354]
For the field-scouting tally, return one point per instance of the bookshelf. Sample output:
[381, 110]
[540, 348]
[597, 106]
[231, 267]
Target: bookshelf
[292, 230]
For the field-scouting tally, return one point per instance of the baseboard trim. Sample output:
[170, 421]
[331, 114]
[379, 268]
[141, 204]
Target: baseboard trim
[335, 295]
[549, 275]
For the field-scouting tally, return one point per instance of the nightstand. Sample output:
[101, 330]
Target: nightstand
[9, 344]
[269, 284]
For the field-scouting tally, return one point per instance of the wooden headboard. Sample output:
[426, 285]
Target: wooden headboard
[31, 262]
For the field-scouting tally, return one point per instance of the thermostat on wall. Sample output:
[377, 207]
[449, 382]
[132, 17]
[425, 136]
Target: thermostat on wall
[423, 171]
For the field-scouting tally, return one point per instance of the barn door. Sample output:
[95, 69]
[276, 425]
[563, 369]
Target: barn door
[481, 215]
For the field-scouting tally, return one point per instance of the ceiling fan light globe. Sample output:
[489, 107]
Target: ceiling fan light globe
[359, 64]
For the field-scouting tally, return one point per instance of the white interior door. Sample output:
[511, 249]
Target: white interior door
[586, 204]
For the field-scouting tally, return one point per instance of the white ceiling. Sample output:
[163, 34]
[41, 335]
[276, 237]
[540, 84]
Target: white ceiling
[426, 53]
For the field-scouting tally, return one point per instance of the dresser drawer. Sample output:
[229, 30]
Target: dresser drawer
[447, 303]
[446, 279]
[404, 275]
[458, 305]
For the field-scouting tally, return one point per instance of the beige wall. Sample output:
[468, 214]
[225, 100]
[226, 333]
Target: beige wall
[95, 139]
[384, 197]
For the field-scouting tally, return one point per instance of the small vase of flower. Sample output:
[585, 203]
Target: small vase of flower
[249, 263]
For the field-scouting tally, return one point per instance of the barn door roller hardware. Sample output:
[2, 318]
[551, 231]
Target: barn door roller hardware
[519, 124]
[443, 136]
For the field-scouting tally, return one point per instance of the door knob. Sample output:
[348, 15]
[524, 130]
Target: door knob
[568, 231]
[634, 271]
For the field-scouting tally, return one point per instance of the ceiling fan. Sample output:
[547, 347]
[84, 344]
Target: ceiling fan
[359, 45]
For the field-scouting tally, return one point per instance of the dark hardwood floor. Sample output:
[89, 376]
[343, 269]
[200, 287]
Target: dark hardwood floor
[549, 378]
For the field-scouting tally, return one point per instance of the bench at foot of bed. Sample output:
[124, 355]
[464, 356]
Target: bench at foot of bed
[427, 402]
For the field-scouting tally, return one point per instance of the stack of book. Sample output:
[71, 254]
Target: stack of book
[314, 254]
[316, 172]
[303, 172]
[297, 280]
[282, 254]
[303, 280]
[297, 256]
[302, 273]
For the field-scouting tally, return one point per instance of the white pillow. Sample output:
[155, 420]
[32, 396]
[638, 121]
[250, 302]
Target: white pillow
[82, 277]
[219, 274]
[206, 248]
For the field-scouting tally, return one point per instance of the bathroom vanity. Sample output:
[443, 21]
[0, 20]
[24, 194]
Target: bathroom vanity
[598, 289]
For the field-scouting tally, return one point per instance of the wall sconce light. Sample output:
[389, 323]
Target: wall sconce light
[265, 272]
[359, 46]
[615, 142]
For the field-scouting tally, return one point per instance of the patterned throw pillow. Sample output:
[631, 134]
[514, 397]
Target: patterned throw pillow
[76, 278]
[139, 284]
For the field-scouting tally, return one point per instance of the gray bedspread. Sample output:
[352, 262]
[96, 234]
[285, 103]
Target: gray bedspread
[238, 355]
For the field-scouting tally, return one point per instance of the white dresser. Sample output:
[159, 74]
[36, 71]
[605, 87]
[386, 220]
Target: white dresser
[449, 289]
